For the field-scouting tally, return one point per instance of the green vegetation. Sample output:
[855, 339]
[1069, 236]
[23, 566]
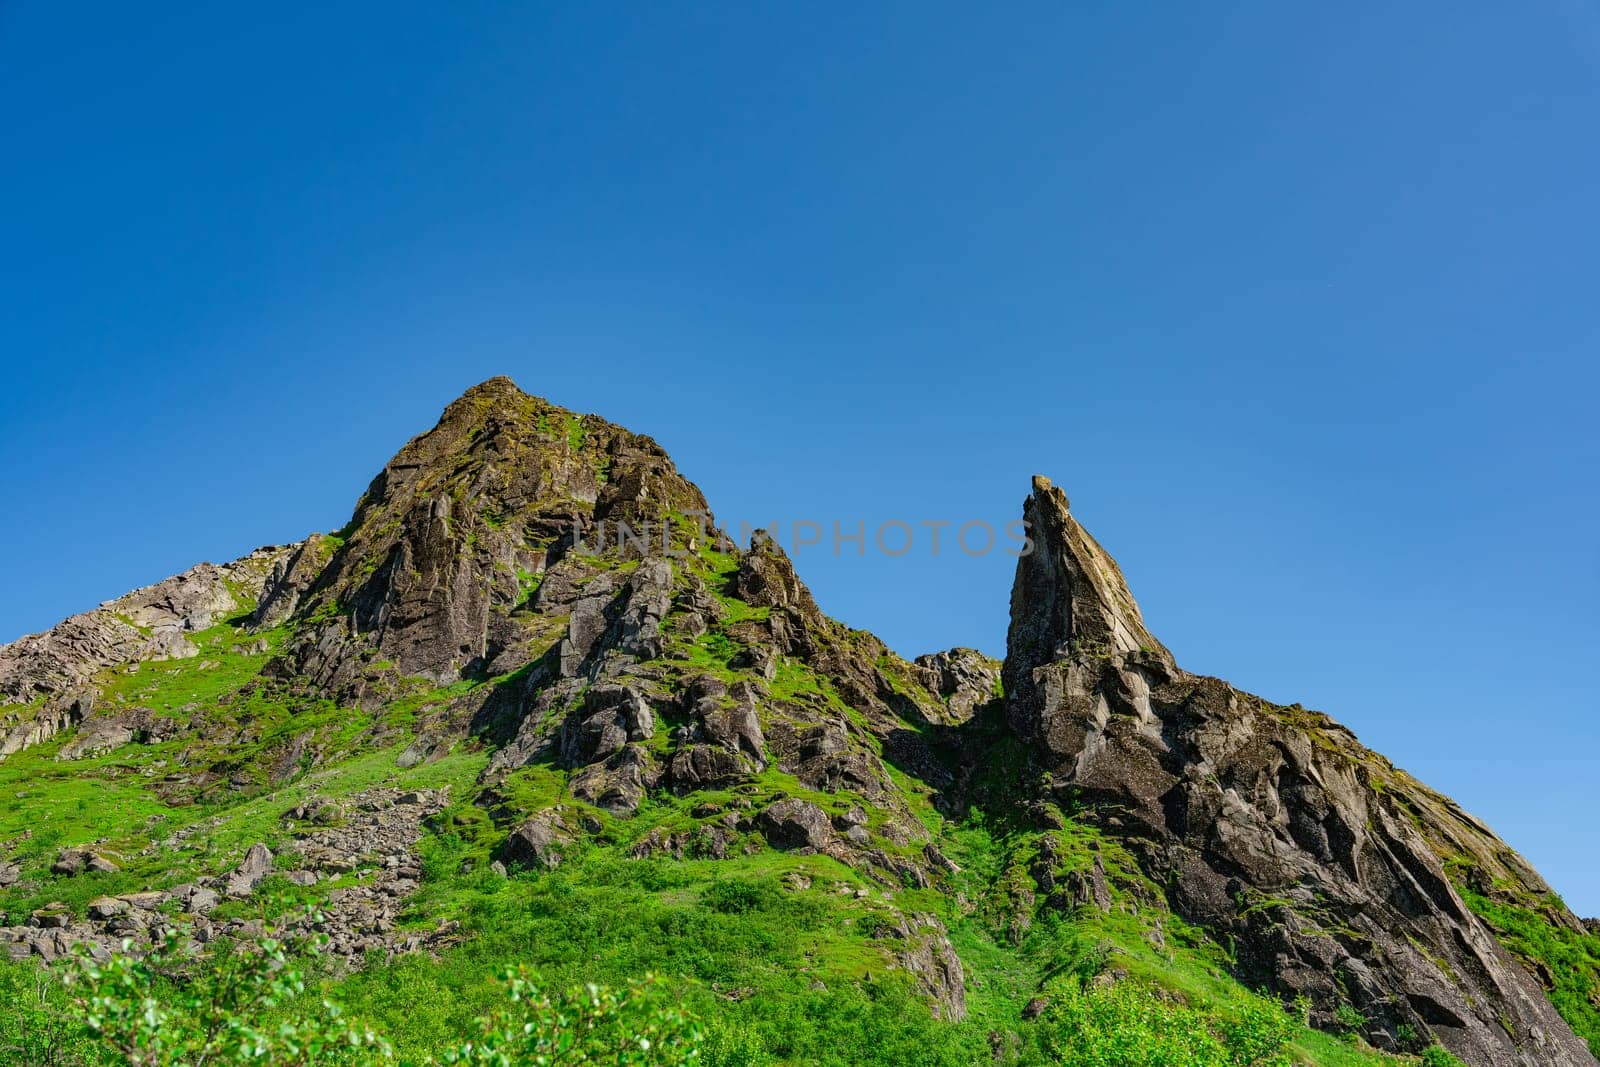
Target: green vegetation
[1568, 960]
[264, 1003]
[1129, 1024]
[767, 957]
[254, 1005]
[153, 1011]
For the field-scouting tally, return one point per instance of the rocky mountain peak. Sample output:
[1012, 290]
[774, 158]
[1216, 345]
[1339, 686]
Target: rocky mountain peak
[1068, 599]
[465, 519]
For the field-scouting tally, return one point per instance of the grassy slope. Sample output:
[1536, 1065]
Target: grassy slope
[786, 956]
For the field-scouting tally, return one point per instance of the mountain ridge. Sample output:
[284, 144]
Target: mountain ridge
[462, 609]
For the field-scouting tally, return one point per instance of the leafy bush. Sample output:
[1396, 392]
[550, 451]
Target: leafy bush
[36, 1026]
[1258, 1032]
[161, 1009]
[732, 896]
[1128, 1025]
[586, 1026]
[1350, 1020]
[251, 1006]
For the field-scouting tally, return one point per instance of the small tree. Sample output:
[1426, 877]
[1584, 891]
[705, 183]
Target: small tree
[36, 1030]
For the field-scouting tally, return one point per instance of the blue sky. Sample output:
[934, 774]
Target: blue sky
[1297, 303]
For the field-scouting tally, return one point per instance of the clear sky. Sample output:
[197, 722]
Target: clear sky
[1298, 302]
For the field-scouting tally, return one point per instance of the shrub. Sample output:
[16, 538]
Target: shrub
[163, 1008]
[252, 1006]
[732, 896]
[36, 1028]
[1129, 1025]
[591, 1025]
[1350, 1020]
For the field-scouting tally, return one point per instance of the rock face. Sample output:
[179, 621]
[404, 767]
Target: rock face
[255, 866]
[964, 678]
[1272, 826]
[535, 843]
[796, 824]
[47, 680]
[449, 536]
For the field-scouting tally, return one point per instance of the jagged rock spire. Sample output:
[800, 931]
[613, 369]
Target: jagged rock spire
[1069, 592]
[1317, 860]
[1068, 597]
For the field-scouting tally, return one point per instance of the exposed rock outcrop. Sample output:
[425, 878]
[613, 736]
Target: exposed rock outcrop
[48, 680]
[536, 842]
[964, 678]
[1272, 826]
[447, 538]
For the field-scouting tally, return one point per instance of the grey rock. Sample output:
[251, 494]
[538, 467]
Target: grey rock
[255, 866]
[536, 842]
[291, 576]
[795, 824]
[964, 678]
[78, 860]
[766, 578]
[726, 716]
[927, 955]
[106, 907]
[609, 717]
[707, 767]
[619, 784]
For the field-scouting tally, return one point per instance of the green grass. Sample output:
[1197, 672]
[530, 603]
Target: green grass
[184, 688]
[1572, 959]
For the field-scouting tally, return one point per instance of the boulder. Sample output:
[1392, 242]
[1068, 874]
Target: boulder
[106, 907]
[706, 767]
[255, 866]
[619, 784]
[147, 901]
[610, 716]
[75, 861]
[794, 824]
[534, 843]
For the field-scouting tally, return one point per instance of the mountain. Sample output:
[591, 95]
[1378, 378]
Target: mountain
[531, 705]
